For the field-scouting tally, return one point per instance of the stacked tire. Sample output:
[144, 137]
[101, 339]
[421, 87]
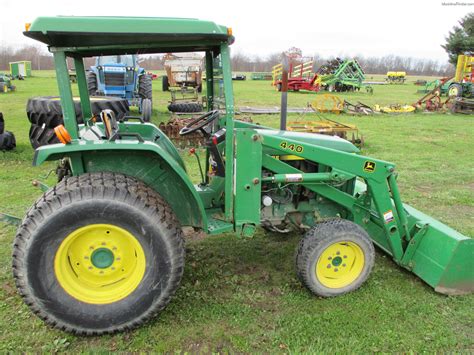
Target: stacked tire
[45, 113]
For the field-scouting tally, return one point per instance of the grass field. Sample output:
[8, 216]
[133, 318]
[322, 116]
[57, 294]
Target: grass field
[241, 295]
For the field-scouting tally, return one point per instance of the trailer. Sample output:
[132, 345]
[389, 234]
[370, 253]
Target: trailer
[301, 77]
[20, 69]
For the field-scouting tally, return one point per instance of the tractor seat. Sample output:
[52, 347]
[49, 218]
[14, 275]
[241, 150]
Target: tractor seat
[110, 123]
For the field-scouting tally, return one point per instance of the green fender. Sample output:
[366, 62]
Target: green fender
[145, 161]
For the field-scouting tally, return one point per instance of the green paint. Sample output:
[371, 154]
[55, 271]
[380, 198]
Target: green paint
[102, 258]
[341, 186]
[337, 261]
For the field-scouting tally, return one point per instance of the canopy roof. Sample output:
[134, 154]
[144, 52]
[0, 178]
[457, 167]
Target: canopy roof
[90, 36]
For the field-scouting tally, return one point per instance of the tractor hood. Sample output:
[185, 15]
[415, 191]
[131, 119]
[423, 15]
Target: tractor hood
[332, 142]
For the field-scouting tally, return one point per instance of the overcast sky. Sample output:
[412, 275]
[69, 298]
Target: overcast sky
[414, 28]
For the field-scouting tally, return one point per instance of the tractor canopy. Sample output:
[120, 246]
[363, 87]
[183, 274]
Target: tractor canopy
[93, 36]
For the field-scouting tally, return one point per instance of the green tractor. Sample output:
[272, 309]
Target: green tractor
[103, 250]
[6, 83]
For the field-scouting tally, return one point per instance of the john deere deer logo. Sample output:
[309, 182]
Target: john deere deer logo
[369, 166]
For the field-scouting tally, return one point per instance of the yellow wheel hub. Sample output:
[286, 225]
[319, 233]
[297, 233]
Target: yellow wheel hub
[99, 264]
[340, 264]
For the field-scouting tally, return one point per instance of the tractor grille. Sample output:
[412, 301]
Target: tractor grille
[114, 79]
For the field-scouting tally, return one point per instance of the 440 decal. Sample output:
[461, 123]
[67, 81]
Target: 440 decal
[292, 147]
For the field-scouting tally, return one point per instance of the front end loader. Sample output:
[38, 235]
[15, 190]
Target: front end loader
[103, 250]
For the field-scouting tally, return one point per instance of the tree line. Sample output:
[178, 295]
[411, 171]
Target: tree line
[244, 63]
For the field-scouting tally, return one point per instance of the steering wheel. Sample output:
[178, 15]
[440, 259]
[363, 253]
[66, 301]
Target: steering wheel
[199, 123]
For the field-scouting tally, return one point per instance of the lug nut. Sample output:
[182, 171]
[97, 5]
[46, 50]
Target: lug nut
[330, 258]
[336, 270]
[329, 266]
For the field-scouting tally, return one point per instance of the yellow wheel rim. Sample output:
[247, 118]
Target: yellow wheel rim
[99, 264]
[340, 264]
[453, 92]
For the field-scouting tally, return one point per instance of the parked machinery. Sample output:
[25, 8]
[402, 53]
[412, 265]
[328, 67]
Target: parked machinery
[396, 77]
[341, 75]
[121, 76]
[103, 251]
[463, 82]
[300, 76]
[184, 80]
[6, 83]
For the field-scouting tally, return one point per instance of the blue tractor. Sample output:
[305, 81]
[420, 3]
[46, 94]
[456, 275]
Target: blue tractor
[121, 76]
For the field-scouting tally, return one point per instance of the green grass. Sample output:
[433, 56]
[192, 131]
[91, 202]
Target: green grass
[242, 295]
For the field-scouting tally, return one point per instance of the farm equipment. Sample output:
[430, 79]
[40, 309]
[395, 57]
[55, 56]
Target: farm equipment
[328, 127]
[396, 77]
[261, 76]
[463, 82]
[432, 101]
[184, 79]
[442, 85]
[239, 77]
[301, 77]
[341, 75]
[103, 250]
[121, 76]
[6, 83]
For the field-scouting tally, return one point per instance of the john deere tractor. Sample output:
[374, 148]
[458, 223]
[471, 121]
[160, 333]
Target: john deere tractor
[103, 250]
[121, 76]
[462, 84]
[6, 83]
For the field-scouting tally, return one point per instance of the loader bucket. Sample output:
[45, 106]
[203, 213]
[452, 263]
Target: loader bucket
[443, 258]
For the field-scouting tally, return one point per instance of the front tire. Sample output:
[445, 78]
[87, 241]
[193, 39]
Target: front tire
[98, 253]
[334, 257]
[147, 109]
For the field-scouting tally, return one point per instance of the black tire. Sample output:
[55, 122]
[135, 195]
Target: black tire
[455, 90]
[45, 113]
[47, 109]
[92, 199]
[145, 90]
[318, 239]
[147, 109]
[7, 141]
[42, 135]
[92, 83]
[165, 83]
[2, 123]
[185, 107]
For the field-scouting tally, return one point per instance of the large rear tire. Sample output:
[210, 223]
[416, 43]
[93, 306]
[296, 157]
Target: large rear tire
[145, 90]
[455, 90]
[92, 83]
[147, 109]
[98, 253]
[334, 257]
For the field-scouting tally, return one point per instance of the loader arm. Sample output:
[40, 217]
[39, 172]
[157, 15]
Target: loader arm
[436, 253]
